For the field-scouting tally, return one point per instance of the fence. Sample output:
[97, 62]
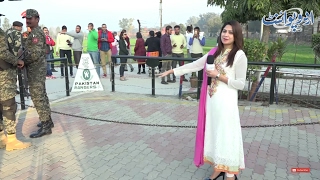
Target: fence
[21, 86]
[290, 86]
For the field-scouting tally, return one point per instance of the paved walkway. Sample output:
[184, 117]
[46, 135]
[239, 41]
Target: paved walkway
[87, 149]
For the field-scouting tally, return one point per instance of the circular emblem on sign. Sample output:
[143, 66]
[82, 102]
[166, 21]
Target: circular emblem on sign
[35, 40]
[86, 74]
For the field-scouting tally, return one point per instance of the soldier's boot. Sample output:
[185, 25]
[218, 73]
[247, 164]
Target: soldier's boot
[3, 139]
[40, 124]
[14, 144]
[45, 129]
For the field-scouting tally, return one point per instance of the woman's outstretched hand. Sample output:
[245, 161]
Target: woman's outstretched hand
[166, 73]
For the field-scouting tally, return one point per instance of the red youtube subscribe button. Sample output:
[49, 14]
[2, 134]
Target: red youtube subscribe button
[300, 170]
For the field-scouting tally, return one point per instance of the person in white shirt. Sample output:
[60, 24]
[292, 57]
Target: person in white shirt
[196, 44]
[189, 36]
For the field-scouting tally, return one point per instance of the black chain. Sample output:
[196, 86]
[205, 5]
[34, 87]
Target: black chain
[172, 126]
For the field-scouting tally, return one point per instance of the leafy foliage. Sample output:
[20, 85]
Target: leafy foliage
[255, 51]
[210, 23]
[316, 44]
[277, 48]
[126, 23]
[6, 24]
[251, 10]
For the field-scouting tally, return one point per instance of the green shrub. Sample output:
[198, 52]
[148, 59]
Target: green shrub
[277, 48]
[255, 51]
[316, 44]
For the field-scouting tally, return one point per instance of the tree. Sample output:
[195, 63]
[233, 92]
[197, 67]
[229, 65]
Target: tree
[255, 26]
[193, 20]
[252, 10]
[210, 23]
[6, 24]
[126, 24]
[58, 30]
[172, 24]
[183, 28]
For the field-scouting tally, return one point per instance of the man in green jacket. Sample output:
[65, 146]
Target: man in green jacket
[92, 47]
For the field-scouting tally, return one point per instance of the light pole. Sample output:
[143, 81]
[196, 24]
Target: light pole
[160, 11]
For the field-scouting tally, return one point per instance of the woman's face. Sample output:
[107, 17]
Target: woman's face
[124, 35]
[227, 37]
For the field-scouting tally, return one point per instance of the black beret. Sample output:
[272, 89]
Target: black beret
[17, 23]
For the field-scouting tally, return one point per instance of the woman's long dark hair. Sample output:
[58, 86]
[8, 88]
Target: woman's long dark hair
[121, 35]
[138, 35]
[237, 44]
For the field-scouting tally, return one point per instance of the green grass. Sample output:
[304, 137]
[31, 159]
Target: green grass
[294, 54]
[298, 54]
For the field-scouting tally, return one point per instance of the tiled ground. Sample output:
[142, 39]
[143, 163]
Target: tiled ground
[91, 149]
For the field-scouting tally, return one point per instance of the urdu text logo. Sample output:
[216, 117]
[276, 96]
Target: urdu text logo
[292, 18]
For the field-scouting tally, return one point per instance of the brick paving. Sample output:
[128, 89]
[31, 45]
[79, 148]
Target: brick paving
[91, 149]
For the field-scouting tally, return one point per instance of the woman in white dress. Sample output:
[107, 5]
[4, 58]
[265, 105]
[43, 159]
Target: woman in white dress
[222, 141]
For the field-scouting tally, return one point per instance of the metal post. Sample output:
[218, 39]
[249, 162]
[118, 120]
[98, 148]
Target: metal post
[272, 85]
[160, 14]
[153, 83]
[199, 84]
[66, 73]
[112, 77]
[21, 89]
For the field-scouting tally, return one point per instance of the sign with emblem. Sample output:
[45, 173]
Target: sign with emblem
[86, 78]
[292, 18]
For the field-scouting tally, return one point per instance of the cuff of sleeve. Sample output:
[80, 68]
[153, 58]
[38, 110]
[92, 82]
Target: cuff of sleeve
[229, 83]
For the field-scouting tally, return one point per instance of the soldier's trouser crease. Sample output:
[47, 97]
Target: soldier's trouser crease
[40, 100]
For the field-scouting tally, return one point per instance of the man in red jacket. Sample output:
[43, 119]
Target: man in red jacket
[105, 38]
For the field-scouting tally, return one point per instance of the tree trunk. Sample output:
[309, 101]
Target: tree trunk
[247, 30]
[254, 85]
[265, 39]
[265, 34]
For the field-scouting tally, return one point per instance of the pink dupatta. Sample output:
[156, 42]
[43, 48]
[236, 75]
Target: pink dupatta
[199, 146]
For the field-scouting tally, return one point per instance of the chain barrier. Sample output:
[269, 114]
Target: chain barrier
[172, 126]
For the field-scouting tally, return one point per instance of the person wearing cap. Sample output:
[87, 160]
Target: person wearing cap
[8, 79]
[35, 61]
[14, 39]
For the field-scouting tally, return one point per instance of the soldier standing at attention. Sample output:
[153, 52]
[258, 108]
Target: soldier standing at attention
[8, 79]
[35, 62]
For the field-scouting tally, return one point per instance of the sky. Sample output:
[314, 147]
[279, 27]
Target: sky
[55, 13]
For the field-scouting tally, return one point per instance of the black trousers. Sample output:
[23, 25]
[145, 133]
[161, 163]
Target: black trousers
[66, 53]
[77, 57]
[123, 62]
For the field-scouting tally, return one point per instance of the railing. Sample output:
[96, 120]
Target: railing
[293, 86]
[273, 89]
[152, 64]
[21, 85]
